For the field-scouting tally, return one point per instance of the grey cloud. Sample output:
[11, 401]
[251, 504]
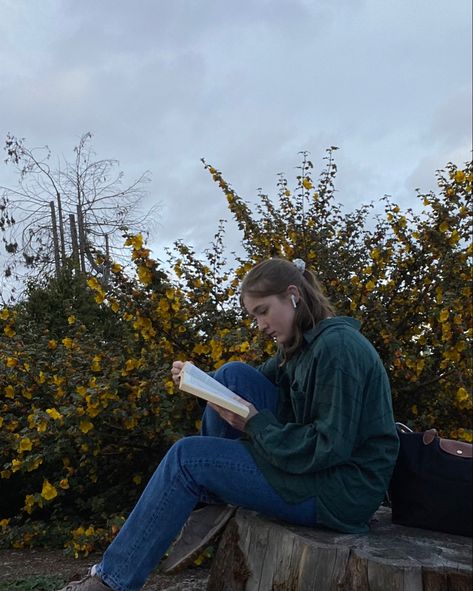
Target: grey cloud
[246, 85]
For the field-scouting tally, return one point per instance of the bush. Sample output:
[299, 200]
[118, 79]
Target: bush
[87, 404]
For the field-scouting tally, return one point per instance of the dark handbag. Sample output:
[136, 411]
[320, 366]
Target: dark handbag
[431, 486]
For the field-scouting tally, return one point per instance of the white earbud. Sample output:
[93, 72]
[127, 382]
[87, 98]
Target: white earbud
[293, 300]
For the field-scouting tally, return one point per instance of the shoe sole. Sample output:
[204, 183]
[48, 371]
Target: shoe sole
[187, 560]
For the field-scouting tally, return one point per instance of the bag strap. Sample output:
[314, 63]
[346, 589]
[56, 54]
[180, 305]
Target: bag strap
[460, 449]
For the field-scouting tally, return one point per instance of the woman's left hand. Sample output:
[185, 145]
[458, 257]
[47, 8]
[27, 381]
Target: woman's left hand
[236, 421]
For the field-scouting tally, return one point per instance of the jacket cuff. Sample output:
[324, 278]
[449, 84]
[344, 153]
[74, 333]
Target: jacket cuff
[259, 422]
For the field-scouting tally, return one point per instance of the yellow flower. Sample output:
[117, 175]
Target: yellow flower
[9, 391]
[370, 285]
[4, 314]
[144, 275]
[99, 297]
[443, 227]
[307, 184]
[459, 176]
[465, 435]
[25, 444]
[52, 344]
[95, 365]
[12, 362]
[444, 314]
[85, 426]
[29, 503]
[162, 307]
[244, 346]
[200, 349]
[462, 395]
[71, 319]
[4, 523]
[135, 241]
[93, 283]
[131, 364]
[34, 465]
[116, 268]
[8, 330]
[68, 343]
[64, 484]
[48, 492]
[375, 253]
[42, 426]
[54, 414]
[81, 390]
[16, 465]
[115, 306]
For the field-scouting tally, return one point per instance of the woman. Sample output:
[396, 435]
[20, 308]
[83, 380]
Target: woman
[317, 448]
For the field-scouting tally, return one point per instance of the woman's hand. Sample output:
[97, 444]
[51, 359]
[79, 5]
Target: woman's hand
[236, 421]
[176, 371]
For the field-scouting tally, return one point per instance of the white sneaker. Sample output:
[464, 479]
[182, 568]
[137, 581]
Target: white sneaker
[88, 583]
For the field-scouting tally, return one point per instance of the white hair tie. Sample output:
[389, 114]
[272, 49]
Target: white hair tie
[299, 264]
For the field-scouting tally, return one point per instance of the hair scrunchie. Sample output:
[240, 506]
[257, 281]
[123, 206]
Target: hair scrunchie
[299, 264]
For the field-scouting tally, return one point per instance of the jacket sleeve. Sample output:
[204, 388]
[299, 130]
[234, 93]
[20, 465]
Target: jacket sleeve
[328, 439]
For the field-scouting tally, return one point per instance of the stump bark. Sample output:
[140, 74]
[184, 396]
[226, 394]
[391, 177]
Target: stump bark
[258, 554]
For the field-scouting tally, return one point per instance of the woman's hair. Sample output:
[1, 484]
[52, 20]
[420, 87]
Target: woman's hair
[273, 277]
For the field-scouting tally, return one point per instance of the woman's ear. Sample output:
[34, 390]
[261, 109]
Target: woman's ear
[294, 294]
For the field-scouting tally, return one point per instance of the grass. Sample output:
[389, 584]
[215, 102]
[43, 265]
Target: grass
[34, 583]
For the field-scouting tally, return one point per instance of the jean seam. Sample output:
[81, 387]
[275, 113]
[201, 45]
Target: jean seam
[152, 520]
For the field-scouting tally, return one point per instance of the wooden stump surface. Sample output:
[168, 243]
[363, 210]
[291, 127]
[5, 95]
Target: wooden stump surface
[259, 554]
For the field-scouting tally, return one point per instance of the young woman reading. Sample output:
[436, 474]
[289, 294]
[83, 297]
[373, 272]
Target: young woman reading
[317, 448]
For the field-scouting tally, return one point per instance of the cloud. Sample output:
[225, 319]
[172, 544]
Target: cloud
[247, 85]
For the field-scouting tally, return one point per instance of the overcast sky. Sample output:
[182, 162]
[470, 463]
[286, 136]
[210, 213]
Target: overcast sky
[246, 84]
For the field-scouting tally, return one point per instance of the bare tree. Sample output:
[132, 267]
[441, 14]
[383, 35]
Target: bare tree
[69, 213]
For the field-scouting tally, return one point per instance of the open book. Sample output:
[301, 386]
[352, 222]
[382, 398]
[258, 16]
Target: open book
[195, 381]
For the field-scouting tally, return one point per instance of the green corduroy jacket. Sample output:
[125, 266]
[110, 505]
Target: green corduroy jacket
[333, 436]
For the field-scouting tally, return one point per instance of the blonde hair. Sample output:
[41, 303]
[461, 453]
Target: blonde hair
[273, 277]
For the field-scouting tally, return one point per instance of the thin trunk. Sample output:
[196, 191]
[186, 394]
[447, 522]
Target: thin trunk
[75, 242]
[61, 227]
[57, 260]
[82, 244]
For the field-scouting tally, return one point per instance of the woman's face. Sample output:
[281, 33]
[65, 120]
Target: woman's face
[274, 314]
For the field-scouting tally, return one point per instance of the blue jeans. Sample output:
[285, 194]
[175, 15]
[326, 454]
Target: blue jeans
[213, 468]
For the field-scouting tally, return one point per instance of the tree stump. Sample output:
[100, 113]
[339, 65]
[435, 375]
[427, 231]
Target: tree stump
[259, 554]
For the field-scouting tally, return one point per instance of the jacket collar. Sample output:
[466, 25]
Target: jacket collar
[334, 321]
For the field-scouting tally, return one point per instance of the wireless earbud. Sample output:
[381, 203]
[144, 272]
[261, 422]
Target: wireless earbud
[293, 300]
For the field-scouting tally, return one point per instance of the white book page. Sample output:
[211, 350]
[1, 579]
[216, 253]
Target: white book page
[198, 378]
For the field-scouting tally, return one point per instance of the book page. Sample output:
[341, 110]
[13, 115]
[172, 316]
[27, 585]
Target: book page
[198, 378]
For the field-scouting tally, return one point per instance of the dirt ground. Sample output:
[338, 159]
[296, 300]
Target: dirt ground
[19, 564]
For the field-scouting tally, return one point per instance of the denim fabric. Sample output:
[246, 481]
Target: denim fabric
[215, 467]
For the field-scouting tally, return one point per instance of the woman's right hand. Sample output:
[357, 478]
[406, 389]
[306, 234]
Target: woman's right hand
[176, 371]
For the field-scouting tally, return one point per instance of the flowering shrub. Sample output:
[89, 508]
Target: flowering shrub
[87, 406]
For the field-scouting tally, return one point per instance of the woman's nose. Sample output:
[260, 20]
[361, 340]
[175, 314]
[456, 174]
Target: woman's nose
[262, 324]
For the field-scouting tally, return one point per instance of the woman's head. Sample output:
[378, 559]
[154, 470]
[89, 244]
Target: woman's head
[286, 300]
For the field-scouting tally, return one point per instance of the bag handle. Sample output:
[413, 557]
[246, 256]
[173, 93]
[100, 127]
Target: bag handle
[403, 428]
